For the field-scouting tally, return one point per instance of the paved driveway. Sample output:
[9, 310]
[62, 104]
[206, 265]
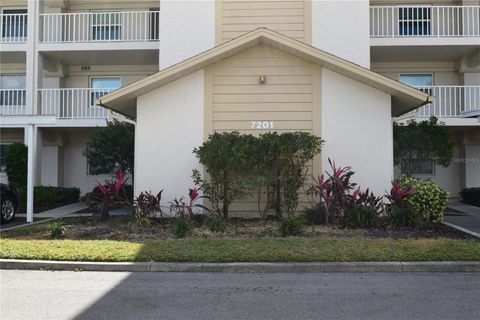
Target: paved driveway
[465, 216]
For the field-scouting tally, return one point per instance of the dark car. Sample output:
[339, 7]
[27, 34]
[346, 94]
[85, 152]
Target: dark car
[9, 202]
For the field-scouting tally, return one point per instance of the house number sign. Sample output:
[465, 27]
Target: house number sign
[262, 124]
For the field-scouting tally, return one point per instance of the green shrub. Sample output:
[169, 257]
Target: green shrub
[216, 223]
[290, 226]
[51, 196]
[314, 216]
[361, 217]
[182, 227]
[428, 199]
[403, 218]
[16, 161]
[57, 230]
[471, 196]
[272, 165]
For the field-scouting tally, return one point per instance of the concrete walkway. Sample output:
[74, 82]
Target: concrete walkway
[69, 209]
[58, 212]
[466, 219]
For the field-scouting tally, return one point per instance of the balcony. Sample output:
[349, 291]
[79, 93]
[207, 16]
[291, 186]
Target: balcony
[424, 21]
[13, 102]
[95, 27]
[13, 31]
[450, 102]
[73, 103]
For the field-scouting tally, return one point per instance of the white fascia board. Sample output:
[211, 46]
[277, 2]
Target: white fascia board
[15, 121]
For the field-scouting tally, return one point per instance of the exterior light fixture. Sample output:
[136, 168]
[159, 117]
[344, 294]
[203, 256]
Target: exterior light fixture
[262, 79]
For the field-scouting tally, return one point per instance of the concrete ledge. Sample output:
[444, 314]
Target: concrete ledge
[257, 267]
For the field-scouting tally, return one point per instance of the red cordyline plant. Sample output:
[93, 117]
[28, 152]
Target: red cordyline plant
[334, 189]
[366, 199]
[186, 210]
[398, 195]
[109, 193]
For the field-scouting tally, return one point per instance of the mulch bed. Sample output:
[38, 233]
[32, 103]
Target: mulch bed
[125, 228]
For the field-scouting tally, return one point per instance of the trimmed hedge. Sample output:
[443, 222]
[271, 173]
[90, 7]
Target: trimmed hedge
[52, 196]
[471, 196]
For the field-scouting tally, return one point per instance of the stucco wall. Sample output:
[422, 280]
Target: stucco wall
[75, 165]
[169, 126]
[342, 28]
[357, 127]
[186, 29]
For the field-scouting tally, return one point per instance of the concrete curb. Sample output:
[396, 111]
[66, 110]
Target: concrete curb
[245, 267]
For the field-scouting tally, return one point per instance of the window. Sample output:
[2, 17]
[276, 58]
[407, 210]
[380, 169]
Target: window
[415, 21]
[95, 170]
[101, 86]
[14, 23]
[106, 25]
[418, 166]
[12, 90]
[423, 82]
[3, 158]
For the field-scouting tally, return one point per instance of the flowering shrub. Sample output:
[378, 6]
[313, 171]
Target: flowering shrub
[400, 214]
[334, 190]
[398, 195]
[185, 210]
[109, 193]
[428, 199]
[147, 206]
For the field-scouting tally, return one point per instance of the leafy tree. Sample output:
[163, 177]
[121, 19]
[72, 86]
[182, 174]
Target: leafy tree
[16, 161]
[112, 147]
[423, 140]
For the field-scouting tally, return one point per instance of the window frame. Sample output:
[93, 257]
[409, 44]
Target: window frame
[431, 74]
[15, 100]
[421, 174]
[93, 95]
[92, 170]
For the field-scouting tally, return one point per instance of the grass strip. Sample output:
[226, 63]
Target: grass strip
[294, 249]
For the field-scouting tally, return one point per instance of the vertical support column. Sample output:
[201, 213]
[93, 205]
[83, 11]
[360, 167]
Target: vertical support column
[31, 77]
[30, 132]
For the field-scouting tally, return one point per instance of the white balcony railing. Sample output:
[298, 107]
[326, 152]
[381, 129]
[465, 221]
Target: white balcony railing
[73, 103]
[450, 101]
[13, 28]
[424, 21]
[100, 26]
[13, 102]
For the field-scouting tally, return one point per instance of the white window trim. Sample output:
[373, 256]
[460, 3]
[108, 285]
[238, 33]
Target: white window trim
[91, 77]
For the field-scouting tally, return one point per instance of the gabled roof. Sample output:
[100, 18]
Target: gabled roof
[404, 97]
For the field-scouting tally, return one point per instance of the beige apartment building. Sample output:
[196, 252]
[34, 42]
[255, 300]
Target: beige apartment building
[58, 57]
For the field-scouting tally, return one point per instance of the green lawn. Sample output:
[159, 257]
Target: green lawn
[293, 249]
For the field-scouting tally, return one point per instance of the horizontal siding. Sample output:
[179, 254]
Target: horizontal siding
[286, 17]
[286, 100]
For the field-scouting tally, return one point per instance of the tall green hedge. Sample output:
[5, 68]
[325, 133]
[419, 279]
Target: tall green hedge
[471, 196]
[16, 160]
[271, 166]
